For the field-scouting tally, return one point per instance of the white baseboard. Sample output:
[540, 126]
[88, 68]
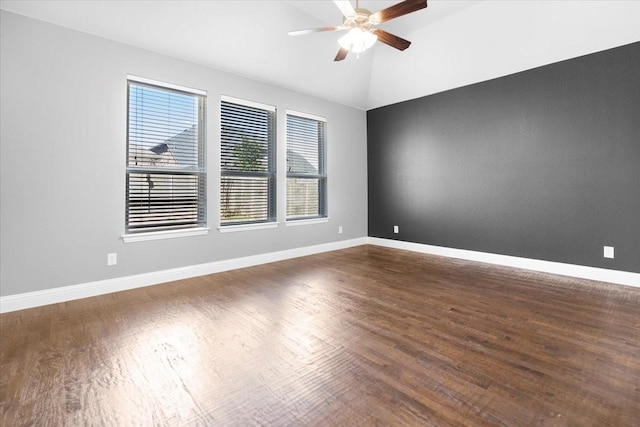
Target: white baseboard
[101, 287]
[591, 273]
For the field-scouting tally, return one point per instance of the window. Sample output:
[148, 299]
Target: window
[248, 159]
[166, 174]
[306, 167]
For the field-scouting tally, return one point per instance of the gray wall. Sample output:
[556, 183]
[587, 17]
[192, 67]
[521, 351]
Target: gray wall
[63, 131]
[543, 164]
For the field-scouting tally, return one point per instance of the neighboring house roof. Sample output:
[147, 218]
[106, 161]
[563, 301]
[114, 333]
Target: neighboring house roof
[178, 151]
[184, 147]
[296, 163]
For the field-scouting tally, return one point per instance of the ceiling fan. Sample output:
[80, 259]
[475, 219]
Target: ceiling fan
[361, 25]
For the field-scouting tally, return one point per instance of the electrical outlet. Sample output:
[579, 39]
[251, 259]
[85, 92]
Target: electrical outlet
[339, 229]
[396, 229]
[608, 251]
[112, 259]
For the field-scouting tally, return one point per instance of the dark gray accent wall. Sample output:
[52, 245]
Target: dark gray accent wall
[543, 164]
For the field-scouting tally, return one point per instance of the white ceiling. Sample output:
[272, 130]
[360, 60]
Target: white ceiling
[454, 42]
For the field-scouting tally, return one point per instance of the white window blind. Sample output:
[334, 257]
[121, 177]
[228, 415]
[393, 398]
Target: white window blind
[248, 173]
[166, 172]
[306, 167]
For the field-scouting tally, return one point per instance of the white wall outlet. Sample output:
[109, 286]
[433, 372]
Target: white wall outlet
[112, 259]
[396, 229]
[608, 251]
[339, 229]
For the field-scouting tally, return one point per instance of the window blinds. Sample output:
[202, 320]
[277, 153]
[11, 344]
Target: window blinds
[166, 173]
[306, 167]
[247, 157]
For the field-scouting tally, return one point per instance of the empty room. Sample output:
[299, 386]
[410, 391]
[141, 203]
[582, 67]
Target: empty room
[320, 213]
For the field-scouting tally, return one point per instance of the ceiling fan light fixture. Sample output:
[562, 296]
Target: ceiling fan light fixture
[357, 40]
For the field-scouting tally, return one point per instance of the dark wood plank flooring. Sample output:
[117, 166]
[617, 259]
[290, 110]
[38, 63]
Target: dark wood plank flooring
[362, 336]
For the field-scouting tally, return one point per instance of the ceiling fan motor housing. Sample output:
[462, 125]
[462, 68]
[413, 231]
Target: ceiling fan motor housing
[362, 19]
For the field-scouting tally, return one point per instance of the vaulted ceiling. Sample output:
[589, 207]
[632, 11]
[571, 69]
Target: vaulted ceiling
[454, 42]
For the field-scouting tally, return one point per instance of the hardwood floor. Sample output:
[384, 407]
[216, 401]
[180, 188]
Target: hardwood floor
[362, 336]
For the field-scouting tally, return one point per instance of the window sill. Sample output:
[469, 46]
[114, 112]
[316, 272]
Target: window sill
[296, 222]
[246, 227]
[158, 235]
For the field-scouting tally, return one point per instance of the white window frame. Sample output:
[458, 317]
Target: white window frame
[322, 175]
[271, 221]
[201, 228]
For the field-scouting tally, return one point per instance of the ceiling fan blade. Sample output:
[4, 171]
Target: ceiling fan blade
[397, 10]
[345, 7]
[314, 30]
[342, 53]
[391, 39]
